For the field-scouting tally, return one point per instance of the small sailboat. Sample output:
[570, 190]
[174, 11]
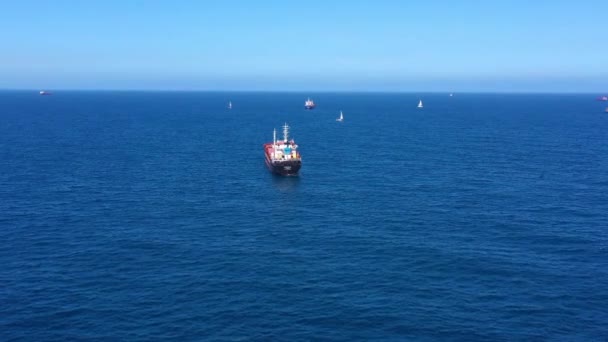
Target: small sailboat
[229, 105]
[420, 104]
[341, 118]
[451, 94]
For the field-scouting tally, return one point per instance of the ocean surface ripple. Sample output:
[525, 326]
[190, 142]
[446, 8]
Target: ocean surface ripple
[141, 215]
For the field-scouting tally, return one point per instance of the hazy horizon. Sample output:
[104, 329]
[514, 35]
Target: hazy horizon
[305, 91]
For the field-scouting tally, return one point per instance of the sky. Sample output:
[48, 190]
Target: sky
[494, 46]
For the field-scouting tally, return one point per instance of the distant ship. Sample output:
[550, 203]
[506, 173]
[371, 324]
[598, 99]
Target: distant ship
[43, 92]
[282, 156]
[606, 110]
[420, 104]
[309, 104]
[602, 98]
[341, 118]
[229, 105]
[451, 94]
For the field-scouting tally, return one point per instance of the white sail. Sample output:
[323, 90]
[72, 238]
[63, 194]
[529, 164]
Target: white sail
[341, 118]
[420, 104]
[229, 104]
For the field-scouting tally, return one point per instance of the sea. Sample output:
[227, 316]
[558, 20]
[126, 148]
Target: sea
[138, 216]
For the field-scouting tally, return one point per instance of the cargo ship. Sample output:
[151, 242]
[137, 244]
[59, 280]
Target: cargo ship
[282, 156]
[309, 104]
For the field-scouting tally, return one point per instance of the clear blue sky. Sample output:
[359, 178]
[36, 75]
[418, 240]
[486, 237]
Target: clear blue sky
[305, 45]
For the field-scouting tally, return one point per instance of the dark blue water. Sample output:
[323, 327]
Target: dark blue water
[136, 216]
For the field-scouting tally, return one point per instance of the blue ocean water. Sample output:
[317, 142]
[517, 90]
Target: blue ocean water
[142, 215]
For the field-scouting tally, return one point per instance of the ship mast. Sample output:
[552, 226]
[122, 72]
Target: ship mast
[285, 132]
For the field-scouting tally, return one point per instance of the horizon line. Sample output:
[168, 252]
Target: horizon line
[300, 91]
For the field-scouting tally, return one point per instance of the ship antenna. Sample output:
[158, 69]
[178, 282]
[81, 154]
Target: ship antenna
[285, 132]
[274, 137]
